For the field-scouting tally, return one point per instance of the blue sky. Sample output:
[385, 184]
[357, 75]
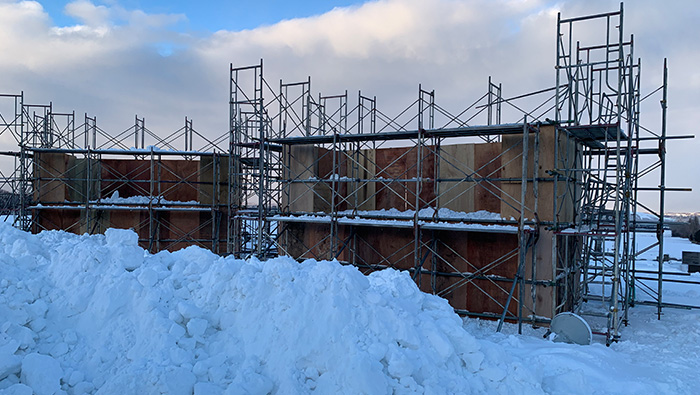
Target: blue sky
[210, 16]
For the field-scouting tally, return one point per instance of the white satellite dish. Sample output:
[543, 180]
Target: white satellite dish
[571, 328]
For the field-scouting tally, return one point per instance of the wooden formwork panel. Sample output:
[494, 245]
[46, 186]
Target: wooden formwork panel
[57, 219]
[50, 172]
[482, 250]
[300, 166]
[487, 164]
[178, 179]
[401, 163]
[173, 225]
[475, 253]
[451, 250]
[61, 178]
[544, 296]
[392, 165]
[306, 240]
[129, 177]
[458, 252]
[178, 229]
[78, 182]
[207, 191]
[124, 219]
[476, 160]
[386, 246]
[567, 148]
[468, 252]
[456, 162]
[326, 171]
[307, 163]
[382, 246]
[174, 180]
[480, 161]
[366, 170]
[512, 146]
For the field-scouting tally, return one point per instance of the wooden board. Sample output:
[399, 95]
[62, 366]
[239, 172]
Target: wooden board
[386, 246]
[456, 161]
[512, 148]
[487, 164]
[128, 177]
[178, 229]
[489, 295]
[479, 161]
[304, 162]
[57, 219]
[366, 170]
[174, 180]
[544, 296]
[401, 164]
[306, 240]
[211, 190]
[50, 169]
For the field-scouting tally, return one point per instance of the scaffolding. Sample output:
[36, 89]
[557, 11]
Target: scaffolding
[336, 178]
[599, 100]
[514, 209]
[79, 178]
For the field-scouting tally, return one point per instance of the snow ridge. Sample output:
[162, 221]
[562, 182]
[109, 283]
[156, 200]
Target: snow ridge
[97, 314]
[101, 315]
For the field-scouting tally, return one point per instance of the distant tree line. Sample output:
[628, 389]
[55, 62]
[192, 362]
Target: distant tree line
[10, 202]
[689, 229]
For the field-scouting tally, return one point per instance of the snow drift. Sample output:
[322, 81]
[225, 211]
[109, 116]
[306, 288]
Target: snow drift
[97, 313]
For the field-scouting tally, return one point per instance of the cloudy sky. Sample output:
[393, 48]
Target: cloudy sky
[164, 60]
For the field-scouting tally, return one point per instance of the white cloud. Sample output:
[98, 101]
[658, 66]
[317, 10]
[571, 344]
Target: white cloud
[81, 31]
[88, 13]
[394, 29]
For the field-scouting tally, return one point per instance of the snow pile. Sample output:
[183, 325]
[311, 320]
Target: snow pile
[86, 314]
[96, 314]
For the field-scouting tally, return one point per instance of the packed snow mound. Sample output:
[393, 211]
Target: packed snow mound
[97, 314]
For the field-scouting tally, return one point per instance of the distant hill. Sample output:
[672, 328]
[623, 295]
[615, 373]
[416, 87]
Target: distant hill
[9, 202]
[687, 225]
[682, 217]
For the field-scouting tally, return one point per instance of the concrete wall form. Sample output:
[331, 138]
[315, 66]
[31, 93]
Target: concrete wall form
[170, 203]
[473, 270]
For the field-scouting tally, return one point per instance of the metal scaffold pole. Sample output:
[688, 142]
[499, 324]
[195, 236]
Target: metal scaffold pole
[662, 189]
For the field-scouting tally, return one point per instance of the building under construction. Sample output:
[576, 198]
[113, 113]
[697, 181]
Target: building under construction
[514, 219]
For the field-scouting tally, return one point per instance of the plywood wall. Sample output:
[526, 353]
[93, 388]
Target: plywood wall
[174, 180]
[512, 150]
[62, 178]
[461, 177]
[303, 193]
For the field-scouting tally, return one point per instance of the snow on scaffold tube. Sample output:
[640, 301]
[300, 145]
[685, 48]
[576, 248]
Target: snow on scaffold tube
[97, 314]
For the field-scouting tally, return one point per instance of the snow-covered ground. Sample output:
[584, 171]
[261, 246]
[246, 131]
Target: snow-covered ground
[675, 288]
[96, 314]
